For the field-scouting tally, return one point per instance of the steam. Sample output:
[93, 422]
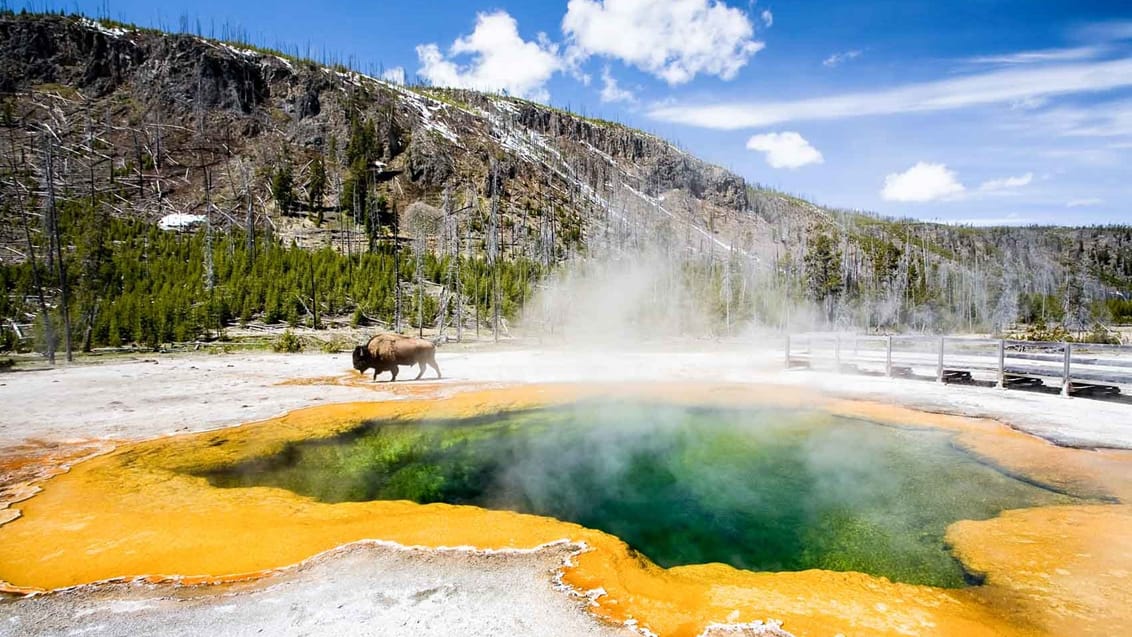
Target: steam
[616, 298]
[657, 294]
[673, 264]
[657, 265]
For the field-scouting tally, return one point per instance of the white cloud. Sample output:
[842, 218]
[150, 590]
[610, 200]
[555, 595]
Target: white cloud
[785, 150]
[610, 92]
[1029, 103]
[1103, 119]
[395, 75]
[1084, 203]
[922, 182]
[995, 87]
[837, 58]
[1091, 157]
[1006, 183]
[767, 17]
[674, 40]
[936, 182]
[500, 59]
[1038, 57]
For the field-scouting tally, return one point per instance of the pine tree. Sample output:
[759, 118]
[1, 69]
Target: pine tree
[283, 187]
[823, 272]
[316, 188]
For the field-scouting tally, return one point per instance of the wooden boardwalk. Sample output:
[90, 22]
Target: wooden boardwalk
[1076, 368]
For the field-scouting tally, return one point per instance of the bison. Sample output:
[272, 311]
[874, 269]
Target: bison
[385, 352]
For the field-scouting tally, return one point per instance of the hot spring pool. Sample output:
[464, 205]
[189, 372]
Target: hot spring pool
[763, 489]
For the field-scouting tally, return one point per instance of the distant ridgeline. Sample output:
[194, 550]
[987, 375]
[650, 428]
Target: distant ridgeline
[161, 187]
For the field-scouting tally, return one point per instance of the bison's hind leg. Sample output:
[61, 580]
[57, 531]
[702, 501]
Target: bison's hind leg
[432, 361]
[422, 364]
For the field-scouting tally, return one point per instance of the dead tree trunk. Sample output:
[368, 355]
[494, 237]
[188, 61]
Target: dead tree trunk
[92, 264]
[51, 214]
[314, 293]
[139, 167]
[493, 250]
[396, 274]
[418, 249]
[48, 326]
[249, 223]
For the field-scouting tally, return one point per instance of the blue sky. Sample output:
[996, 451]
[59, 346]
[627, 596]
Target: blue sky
[975, 111]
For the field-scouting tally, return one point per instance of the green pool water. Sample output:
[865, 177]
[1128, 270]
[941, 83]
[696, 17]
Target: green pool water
[756, 489]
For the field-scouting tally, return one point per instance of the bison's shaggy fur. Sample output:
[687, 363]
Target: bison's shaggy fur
[386, 352]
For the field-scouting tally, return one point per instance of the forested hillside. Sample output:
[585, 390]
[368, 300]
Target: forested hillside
[166, 187]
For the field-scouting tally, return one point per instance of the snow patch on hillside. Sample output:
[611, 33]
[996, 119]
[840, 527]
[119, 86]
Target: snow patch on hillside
[114, 32]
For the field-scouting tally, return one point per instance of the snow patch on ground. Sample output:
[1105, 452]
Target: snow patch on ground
[656, 203]
[239, 51]
[430, 111]
[114, 32]
[180, 221]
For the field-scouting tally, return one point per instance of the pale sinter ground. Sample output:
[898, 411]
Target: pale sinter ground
[393, 591]
[159, 395]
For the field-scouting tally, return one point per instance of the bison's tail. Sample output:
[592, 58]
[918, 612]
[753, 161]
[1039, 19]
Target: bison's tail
[437, 341]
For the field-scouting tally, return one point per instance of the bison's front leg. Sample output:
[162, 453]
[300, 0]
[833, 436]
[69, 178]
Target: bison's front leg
[376, 371]
[393, 370]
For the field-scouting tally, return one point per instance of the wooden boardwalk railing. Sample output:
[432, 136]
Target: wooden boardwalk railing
[1079, 368]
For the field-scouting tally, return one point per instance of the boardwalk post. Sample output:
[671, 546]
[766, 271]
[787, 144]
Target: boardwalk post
[1001, 363]
[1065, 371]
[888, 356]
[788, 350]
[837, 352]
[939, 368]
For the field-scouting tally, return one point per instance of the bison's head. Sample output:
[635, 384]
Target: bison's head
[361, 358]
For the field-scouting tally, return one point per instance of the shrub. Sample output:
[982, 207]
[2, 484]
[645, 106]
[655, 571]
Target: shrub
[334, 345]
[288, 343]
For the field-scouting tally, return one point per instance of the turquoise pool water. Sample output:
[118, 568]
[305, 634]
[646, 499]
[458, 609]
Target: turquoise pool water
[756, 489]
